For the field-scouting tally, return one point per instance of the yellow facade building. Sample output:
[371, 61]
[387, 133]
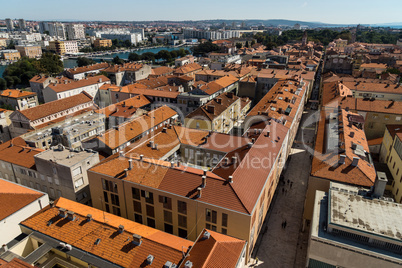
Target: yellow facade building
[10, 54]
[103, 43]
[29, 51]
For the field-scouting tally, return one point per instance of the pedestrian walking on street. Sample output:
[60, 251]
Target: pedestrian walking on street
[291, 184]
[284, 225]
[256, 260]
[283, 190]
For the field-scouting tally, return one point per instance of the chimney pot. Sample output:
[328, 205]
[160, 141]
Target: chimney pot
[355, 161]
[230, 179]
[126, 172]
[71, 216]
[121, 229]
[89, 217]
[141, 157]
[62, 212]
[199, 189]
[130, 164]
[342, 159]
[204, 181]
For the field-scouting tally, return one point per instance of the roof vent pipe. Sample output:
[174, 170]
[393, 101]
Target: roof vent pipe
[230, 179]
[199, 189]
[130, 164]
[355, 161]
[204, 181]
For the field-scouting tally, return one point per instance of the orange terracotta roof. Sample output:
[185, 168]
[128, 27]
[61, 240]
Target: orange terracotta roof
[377, 141]
[188, 68]
[69, 85]
[217, 251]
[14, 263]
[220, 104]
[56, 106]
[16, 94]
[14, 197]
[125, 108]
[153, 83]
[93, 67]
[143, 90]
[127, 131]
[163, 70]
[129, 66]
[281, 102]
[17, 152]
[39, 78]
[325, 163]
[114, 247]
[374, 87]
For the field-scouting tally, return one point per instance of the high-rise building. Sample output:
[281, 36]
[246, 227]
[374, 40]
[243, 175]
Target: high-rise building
[10, 24]
[22, 24]
[57, 30]
[75, 31]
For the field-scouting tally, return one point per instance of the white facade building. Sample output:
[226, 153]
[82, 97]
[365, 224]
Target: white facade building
[57, 30]
[10, 24]
[20, 202]
[75, 31]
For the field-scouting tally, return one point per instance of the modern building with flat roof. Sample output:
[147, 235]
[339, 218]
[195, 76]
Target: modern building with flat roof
[351, 228]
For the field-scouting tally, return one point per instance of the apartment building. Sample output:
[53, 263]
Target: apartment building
[17, 203]
[220, 114]
[267, 78]
[56, 29]
[39, 82]
[90, 85]
[347, 231]
[183, 61]
[70, 132]
[75, 31]
[387, 141]
[122, 244]
[210, 35]
[10, 54]
[284, 103]
[30, 51]
[189, 69]
[49, 113]
[377, 113]
[128, 73]
[181, 198]
[18, 99]
[9, 24]
[116, 139]
[79, 73]
[63, 171]
[227, 83]
[64, 47]
[120, 112]
[341, 154]
[102, 43]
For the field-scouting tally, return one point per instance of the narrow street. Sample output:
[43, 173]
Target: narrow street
[286, 246]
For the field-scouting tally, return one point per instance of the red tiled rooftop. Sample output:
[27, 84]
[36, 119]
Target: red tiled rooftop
[14, 197]
[113, 247]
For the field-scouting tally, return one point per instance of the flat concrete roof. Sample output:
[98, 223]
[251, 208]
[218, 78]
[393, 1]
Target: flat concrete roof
[375, 216]
[65, 157]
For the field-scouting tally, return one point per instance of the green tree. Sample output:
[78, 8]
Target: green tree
[3, 84]
[148, 56]
[252, 42]
[51, 64]
[16, 80]
[181, 52]
[117, 60]
[205, 48]
[83, 61]
[239, 45]
[247, 45]
[134, 57]
[9, 80]
[173, 54]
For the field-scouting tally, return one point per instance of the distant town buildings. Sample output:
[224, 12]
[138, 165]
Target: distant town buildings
[210, 35]
[75, 31]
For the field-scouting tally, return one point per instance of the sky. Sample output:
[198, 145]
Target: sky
[335, 12]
